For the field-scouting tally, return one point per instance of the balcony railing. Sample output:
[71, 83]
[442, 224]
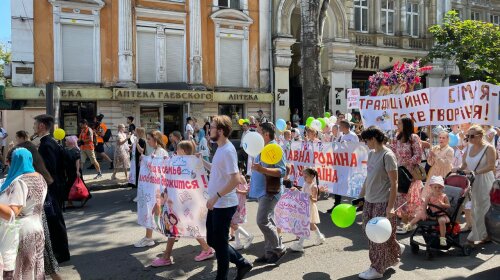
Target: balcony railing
[390, 41]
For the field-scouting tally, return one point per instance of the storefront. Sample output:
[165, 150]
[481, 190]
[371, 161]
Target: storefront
[75, 104]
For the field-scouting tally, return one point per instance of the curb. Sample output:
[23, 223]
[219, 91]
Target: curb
[103, 187]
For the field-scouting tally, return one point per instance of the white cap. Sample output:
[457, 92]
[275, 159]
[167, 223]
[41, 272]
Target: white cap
[436, 180]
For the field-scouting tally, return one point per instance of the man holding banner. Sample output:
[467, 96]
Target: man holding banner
[265, 185]
[224, 178]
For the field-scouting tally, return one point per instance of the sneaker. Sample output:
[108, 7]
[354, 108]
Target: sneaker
[371, 273]
[248, 242]
[297, 247]
[135, 199]
[159, 262]
[205, 255]
[99, 175]
[262, 259]
[401, 230]
[243, 270]
[442, 241]
[276, 257]
[401, 248]
[319, 239]
[144, 242]
[238, 246]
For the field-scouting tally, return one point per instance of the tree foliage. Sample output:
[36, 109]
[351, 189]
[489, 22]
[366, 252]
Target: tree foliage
[473, 45]
[4, 59]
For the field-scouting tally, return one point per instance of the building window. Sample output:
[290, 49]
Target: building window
[78, 63]
[387, 16]
[361, 15]
[160, 57]
[495, 19]
[474, 16]
[231, 62]
[233, 4]
[412, 19]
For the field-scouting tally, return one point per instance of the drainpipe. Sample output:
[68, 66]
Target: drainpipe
[271, 67]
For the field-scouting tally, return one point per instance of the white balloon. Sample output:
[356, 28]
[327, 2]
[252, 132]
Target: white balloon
[316, 124]
[348, 117]
[253, 143]
[333, 119]
[378, 229]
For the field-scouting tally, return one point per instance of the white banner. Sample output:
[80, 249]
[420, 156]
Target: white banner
[341, 166]
[472, 102]
[172, 195]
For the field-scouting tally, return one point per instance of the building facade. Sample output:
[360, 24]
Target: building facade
[360, 38]
[157, 60]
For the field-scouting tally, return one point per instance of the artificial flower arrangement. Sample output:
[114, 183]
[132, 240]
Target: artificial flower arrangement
[401, 79]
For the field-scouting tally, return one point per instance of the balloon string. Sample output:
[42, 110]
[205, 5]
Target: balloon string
[401, 206]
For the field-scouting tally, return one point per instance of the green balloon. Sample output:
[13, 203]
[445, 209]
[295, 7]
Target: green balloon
[344, 215]
[323, 123]
[327, 114]
[309, 121]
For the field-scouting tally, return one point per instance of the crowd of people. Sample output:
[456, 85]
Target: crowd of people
[41, 172]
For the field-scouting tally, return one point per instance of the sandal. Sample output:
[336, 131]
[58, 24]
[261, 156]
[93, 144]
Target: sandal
[159, 262]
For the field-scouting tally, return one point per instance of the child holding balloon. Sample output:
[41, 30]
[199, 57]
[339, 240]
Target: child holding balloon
[435, 198]
[310, 187]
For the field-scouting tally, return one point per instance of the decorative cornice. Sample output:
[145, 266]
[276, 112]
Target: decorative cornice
[242, 19]
[162, 14]
[89, 4]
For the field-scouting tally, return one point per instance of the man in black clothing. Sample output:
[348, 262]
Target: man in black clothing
[53, 156]
[131, 125]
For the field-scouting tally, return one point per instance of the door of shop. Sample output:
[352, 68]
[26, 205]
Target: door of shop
[72, 112]
[172, 118]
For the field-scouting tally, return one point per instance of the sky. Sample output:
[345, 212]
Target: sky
[4, 21]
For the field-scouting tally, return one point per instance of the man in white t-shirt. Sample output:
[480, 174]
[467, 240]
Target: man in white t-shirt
[223, 201]
[189, 132]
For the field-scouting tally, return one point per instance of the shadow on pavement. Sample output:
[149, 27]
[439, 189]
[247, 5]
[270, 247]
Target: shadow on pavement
[487, 274]
[316, 276]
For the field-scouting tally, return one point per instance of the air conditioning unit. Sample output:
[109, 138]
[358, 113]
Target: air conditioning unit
[7, 71]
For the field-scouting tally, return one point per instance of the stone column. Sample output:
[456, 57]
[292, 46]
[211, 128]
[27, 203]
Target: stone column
[125, 73]
[195, 55]
[439, 76]
[282, 58]
[341, 60]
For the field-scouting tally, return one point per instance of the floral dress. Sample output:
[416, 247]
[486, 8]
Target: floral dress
[28, 191]
[122, 157]
[409, 155]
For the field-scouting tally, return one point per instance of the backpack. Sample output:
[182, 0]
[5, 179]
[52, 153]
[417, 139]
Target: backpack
[107, 136]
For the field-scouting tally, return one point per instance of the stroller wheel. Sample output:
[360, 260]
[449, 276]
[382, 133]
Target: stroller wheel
[467, 250]
[414, 248]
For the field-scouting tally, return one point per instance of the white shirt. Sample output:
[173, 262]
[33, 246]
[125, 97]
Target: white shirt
[491, 132]
[224, 164]
[350, 137]
[189, 130]
[3, 133]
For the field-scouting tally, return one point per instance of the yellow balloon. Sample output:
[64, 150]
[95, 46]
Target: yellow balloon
[241, 121]
[59, 134]
[271, 154]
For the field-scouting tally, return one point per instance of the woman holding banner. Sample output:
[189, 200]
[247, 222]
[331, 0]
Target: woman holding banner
[155, 141]
[379, 192]
[409, 152]
[479, 158]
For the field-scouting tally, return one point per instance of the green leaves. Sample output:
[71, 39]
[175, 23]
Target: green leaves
[474, 45]
[4, 59]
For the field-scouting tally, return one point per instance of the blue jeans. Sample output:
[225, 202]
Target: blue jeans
[218, 223]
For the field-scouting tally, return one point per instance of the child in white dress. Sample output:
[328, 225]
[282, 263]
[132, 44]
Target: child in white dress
[310, 187]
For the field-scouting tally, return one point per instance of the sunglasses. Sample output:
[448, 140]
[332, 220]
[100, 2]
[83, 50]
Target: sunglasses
[471, 136]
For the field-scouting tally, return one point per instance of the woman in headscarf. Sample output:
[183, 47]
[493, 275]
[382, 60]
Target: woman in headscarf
[50, 262]
[23, 193]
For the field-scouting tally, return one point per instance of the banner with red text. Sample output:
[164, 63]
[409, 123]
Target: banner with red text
[292, 213]
[384, 111]
[472, 102]
[341, 166]
[353, 95]
[172, 195]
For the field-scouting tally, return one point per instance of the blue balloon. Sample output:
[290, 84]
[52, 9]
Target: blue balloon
[453, 142]
[281, 124]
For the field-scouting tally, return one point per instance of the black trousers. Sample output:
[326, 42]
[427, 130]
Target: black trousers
[218, 223]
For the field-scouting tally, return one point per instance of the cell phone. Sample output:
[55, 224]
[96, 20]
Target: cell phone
[356, 201]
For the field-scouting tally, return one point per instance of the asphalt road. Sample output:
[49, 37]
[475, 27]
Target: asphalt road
[101, 237]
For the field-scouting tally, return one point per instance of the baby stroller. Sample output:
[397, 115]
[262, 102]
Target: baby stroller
[455, 186]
